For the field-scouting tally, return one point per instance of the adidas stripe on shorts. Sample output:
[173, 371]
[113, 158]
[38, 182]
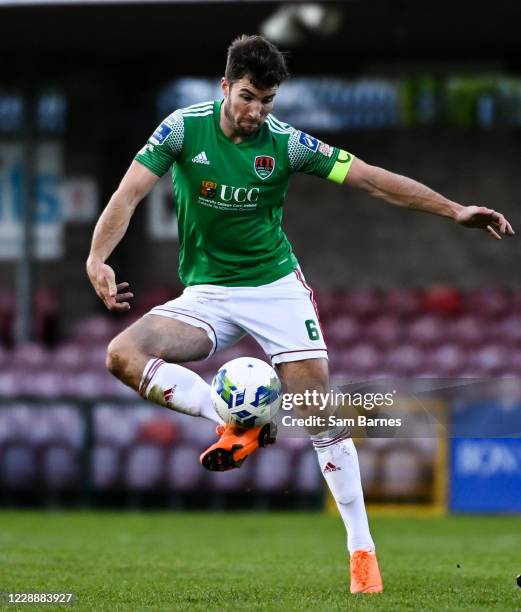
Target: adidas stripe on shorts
[282, 316]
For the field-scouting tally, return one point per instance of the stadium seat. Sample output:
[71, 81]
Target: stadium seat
[60, 467]
[68, 357]
[199, 431]
[112, 387]
[114, 426]
[41, 431]
[491, 358]
[94, 356]
[273, 470]
[46, 383]
[18, 420]
[444, 300]
[84, 384]
[18, 465]
[343, 331]
[144, 468]
[159, 430]
[30, 356]
[307, 477]
[183, 470]
[233, 480]
[468, 330]
[427, 330]
[358, 361]
[508, 330]
[514, 364]
[9, 382]
[402, 473]
[405, 359]
[106, 463]
[447, 360]
[66, 423]
[383, 331]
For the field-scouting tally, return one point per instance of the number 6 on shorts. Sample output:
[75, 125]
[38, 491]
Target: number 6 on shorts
[313, 332]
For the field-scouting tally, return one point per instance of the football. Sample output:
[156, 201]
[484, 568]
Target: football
[246, 392]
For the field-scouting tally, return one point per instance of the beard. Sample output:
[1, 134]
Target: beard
[235, 125]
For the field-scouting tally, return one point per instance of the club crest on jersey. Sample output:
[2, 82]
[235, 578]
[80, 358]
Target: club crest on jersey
[308, 141]
[264, 166]
[208, 189]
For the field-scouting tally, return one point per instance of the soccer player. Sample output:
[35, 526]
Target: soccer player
[231, 161]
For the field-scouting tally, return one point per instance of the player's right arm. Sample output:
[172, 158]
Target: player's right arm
[408, 193]
[109, 231]
[152, 161]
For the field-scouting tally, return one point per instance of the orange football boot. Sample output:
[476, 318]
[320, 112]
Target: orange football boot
[235, 444]
[365, 574]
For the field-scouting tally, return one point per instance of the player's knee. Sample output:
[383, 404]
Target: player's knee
[309, 381]
[117, 360]
[312, 400]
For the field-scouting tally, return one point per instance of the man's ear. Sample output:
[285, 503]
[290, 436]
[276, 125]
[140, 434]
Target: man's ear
[225, 86]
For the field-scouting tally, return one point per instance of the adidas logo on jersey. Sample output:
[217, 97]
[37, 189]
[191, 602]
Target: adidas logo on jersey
[331, 467]
[201, 159]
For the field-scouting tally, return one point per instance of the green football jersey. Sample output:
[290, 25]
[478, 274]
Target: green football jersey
[229, 197]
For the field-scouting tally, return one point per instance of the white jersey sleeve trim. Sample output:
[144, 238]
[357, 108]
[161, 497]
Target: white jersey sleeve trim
[170, 134]
[197, 108]
[276, 126]
[201, 114]
[282, 126]
[296, 151]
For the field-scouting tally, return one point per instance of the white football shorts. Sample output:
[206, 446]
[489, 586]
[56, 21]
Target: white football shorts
[282, 316]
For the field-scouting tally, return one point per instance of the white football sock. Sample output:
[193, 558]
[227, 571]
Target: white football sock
[177, 388]
[338, 462]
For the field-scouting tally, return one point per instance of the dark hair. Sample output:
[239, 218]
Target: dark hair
[258, 58]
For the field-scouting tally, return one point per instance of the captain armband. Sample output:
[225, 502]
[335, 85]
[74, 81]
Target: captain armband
[341, 168]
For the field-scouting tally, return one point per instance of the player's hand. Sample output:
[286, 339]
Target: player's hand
[493, 222]
[116, 297]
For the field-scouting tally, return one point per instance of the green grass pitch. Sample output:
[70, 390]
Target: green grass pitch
[237, 561]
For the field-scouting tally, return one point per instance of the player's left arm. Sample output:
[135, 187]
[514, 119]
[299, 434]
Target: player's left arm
[408, 193]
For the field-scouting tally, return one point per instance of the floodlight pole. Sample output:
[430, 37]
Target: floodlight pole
[24, 277]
